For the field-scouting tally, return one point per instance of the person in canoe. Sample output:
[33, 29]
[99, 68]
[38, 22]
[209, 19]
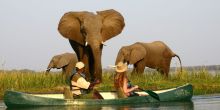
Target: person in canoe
[79, 85]
[122, 83]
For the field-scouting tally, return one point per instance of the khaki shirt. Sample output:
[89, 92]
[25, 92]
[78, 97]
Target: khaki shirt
[79, 82]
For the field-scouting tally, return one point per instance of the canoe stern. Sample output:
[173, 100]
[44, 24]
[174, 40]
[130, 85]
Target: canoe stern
[182, 93]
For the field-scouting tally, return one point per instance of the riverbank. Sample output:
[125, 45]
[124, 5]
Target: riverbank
[203, 82]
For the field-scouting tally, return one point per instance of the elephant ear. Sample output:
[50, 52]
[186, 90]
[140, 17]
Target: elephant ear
[62, 62]
[70, 26]
[113, 23]
[138, 52]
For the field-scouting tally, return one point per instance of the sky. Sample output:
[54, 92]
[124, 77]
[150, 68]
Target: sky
[29, 37]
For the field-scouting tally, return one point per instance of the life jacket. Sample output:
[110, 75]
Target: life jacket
[74, 78]
[121, 93]
[132, 93]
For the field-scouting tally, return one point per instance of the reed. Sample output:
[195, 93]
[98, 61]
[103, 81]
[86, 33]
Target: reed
[203, 82]
[30, 82]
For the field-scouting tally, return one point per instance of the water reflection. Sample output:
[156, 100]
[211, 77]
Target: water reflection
[210, 102]
[153, 106]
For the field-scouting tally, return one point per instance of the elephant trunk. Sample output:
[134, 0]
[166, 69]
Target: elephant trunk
[47, 71]
[96, 64]
[49, 67]
[120, 58]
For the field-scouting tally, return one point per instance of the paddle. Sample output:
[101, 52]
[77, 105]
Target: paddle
[97, 95]
[151, 93]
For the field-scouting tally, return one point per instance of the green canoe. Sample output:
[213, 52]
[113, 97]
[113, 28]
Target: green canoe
[19, 99]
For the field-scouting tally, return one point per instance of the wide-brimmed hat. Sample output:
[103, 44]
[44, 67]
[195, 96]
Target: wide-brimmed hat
[80, 65]
[121, 67]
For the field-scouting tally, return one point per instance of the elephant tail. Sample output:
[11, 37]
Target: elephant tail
[175, 55]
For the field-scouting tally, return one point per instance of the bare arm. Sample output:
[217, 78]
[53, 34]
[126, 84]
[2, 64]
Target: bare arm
[126, 89]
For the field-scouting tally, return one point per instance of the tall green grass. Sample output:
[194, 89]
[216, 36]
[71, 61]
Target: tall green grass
[203, 82]
[30, 82]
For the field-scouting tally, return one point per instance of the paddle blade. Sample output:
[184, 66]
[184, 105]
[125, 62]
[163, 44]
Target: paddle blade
[153, 94]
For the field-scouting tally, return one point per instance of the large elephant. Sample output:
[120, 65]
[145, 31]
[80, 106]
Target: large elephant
[156, 55]
[66, 61]
[87, 32]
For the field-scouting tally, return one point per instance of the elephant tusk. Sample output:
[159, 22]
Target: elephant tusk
[112, 66]
[86, 43]
[103, 43]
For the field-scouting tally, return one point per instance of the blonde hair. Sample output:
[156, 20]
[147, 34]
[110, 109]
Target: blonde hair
[119, 79]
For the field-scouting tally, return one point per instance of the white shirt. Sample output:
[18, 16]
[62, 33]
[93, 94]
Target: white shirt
[80, 83]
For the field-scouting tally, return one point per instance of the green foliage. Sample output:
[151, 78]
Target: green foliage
[108, 82]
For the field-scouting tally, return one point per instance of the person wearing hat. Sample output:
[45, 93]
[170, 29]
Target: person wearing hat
[121, 82]
[79, 85]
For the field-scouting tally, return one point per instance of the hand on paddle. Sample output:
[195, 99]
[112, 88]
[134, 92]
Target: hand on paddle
[151, 93]
[97, 81]
[136, 87]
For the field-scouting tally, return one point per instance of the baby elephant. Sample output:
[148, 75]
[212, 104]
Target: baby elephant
[156, 55]
[66, 61]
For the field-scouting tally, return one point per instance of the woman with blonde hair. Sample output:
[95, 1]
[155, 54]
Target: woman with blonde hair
[122, 83]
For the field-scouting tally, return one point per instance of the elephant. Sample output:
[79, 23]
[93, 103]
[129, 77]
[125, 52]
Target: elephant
[66, 61]
[156, 55]
[87, 32]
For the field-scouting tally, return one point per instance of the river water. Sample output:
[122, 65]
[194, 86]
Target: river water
[203, 102]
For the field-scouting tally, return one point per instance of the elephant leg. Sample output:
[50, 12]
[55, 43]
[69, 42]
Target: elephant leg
[78, 49]
[66, 73]
[134, 71]
[163, 71]
[139, 67]
[69, 70]
[166, 71]
[82, 55]
[63, 70]
[159, 70]
[166, 67]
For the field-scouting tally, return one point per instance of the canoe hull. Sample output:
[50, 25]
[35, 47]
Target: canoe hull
[19, 99]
